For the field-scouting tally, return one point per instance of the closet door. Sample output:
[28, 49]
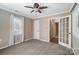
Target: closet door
[65, 31]
[36, 29]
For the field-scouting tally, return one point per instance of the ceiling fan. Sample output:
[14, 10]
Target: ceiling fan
[36, 8]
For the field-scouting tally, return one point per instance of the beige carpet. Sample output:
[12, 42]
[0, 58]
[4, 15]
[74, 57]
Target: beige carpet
[36, 47]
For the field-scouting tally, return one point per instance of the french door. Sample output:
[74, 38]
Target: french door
[65, 31]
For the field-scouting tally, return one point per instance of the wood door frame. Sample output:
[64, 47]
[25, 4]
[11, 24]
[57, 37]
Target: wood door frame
[57, 30]
[49, 28]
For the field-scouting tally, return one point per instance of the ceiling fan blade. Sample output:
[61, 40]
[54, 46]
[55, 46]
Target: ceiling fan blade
[44, 7]
[36, 5]
[32, 11]
[39, 11]
[28, 7]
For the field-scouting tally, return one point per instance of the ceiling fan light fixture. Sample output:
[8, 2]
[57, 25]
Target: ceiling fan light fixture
[36, 8]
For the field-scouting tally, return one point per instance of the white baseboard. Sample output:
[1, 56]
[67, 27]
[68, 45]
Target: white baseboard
[43, 40]
[15, 43]
[18, 42]
[28, 39]
[5, 47]
[8, 45]
[75, 51]
[24, 40]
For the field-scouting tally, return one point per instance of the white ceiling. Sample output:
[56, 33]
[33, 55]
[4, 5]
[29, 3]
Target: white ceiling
[53, 8]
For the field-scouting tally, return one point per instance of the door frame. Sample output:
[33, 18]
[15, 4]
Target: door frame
[57, 20]
[11, 38]
[57, 30]
[71, 32]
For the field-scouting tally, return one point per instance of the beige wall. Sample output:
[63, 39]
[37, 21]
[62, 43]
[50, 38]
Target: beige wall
[75, 27]
[4, 28]
[28, 28]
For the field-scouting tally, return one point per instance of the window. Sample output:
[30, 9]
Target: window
[17, 26]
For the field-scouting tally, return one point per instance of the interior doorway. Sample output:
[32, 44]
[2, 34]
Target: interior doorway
[54, 31]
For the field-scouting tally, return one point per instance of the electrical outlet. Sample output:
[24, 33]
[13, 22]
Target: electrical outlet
[0, 40]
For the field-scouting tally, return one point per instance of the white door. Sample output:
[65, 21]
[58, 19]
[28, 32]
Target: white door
[36, 29]
[65, 31]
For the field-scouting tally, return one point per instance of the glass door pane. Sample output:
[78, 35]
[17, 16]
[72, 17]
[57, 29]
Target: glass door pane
[65, 31]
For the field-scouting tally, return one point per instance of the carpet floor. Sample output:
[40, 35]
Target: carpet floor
[36, 47]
